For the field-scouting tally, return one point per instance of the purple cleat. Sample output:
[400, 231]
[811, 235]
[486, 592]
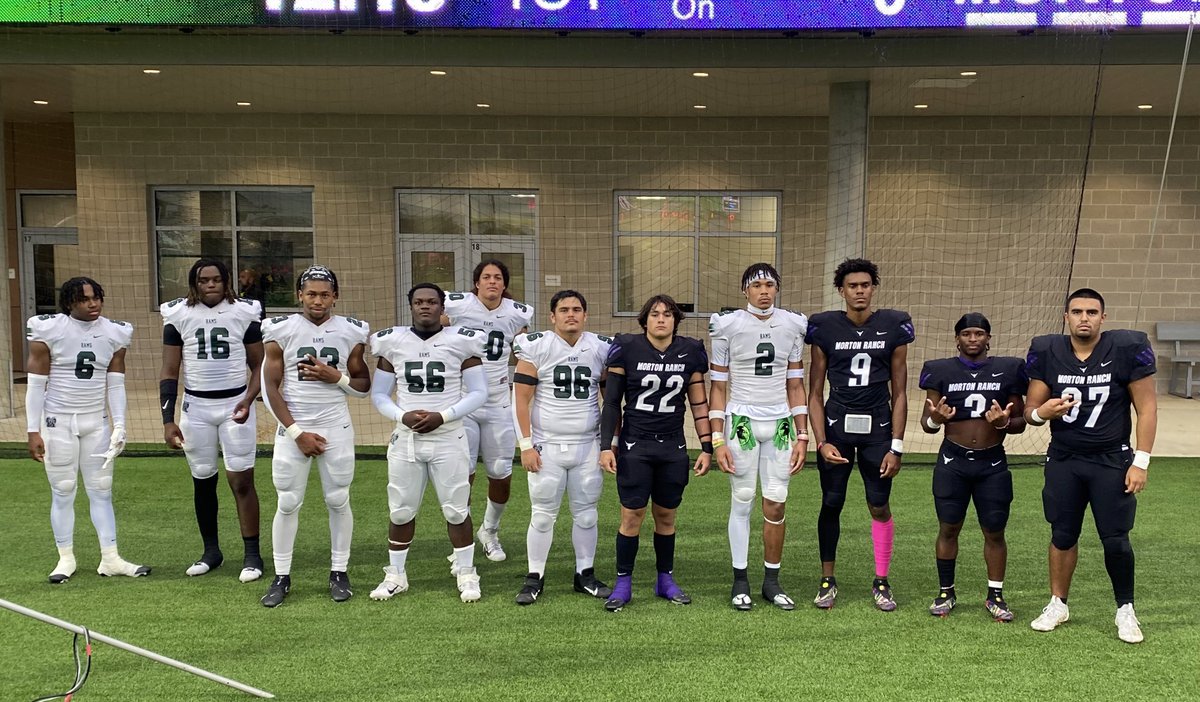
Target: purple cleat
[622, 593]
[669, 590]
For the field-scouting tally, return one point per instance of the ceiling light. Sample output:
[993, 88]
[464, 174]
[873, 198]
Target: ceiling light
[437, 73]
[968, 74]
[1145, 107]
[700, 74]
[921, 106]
[482, 104]
[700, 107]
[151, 71]
[40, 102]
[243, 104]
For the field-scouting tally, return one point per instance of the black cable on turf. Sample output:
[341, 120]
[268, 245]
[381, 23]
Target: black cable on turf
[81, 671]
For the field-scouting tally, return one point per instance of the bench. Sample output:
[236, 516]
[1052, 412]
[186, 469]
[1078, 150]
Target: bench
[1179, 332]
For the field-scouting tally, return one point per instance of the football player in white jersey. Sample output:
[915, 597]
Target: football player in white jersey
[490, 428]
[442, 380]
[557, 399]
[758, 398]
[77, 361]
[305, 388]
[215, 337]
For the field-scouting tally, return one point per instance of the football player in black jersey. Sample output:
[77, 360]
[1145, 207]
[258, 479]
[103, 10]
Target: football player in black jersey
[979, 400]
[1083, 383]
[864, 352]
[654, 373]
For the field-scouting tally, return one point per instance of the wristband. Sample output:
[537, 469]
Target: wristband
[718, 436]
[716, 414]
[819, 445]
[719, 376]
[933, 426]
[1141, 459]
[525, 443]
[1002, 427]
[344, 381]
[795, 373]
[897, 447]
[802, 436]
[613, 443]
[799, 410]
[707, 447]
[294, 431]
[718, 443]
[1036, 419]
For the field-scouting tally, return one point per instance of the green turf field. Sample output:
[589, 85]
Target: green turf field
[425, 644]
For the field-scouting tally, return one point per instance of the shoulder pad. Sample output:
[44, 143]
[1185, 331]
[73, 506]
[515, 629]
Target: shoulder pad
[456, 296]
[605, 339]
[119, 323]
[1125, 338]
[175, 303]
[278, 320]
[45, 317]
[1043, 343]
[467, 331]
[384, 332]
[354, 321]
[521, 307]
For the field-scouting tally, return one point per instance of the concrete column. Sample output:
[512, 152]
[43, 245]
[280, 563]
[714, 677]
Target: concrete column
[846, 206]
[6, 359]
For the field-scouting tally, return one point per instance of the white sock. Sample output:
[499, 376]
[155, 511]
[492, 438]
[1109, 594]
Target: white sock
[62, 518]
[66, 559]
[109, 553]
[584, 541]
[341, 530]
[998, 584]
[398, 559]
[464, 558]
[739, 532]
[537, 545]
[103, 517]
[491, 515]
[772, 566]
[283, 540]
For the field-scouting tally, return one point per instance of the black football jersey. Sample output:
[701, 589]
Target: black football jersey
[1101, 422]
[656, 381]
[970, 388]
[859, 359]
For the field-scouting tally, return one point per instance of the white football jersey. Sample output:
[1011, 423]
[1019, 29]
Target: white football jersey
[214, 351]
[428, 371]
[566, 405]
[79, 356]
[757, 353]
[500, 326]
[313, 402]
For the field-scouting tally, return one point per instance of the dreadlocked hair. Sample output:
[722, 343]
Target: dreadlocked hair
[193, 296]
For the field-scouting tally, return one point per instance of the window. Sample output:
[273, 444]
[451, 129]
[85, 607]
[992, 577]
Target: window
[692, 246]
[264, 232]
[49, 254]
[442, 234]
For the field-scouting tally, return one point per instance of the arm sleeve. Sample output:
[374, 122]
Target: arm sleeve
[614, 392]
[35, 400]
[382, 385]
[253, 334]
[475, 384]
[116, 398]
[171, 336]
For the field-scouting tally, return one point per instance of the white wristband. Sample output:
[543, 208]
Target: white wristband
[447, 415]
[933, 426]
[718, 436]
[1141, 459]
[795, 373]
[898, 446]
[719, 376]
[344, 381]
[525, 443]
[799, 410]
[716, 414]
[1036, 419]
[294, 431]
[613, 443]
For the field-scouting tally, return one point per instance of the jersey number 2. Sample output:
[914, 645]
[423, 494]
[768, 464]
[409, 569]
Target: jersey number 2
[650, 385]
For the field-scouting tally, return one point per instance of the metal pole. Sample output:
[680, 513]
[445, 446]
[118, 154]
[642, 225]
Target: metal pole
[117, 643]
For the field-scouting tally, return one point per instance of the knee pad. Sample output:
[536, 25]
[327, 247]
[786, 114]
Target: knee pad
[289, 501]
[994, 520]
[402, 515]
[543, 521]
[1116, 545]
[1063, 538]
[455, 515]
[777, 492]
[99, 482]
[832, 500]
[741, 508]
[204, 472]
[337, 499]
[585, 518]
[63, 486]
[239, 462]
[500, 469]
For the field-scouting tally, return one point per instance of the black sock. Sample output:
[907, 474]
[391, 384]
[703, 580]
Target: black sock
[664, 552]
[627, 549]
[770, 575]
[829, 579]
[1118, 561]
[204, 495]
[829, 530]
[996, 594]
[740, 574]
[880, 581]
[945, 569]
[250, 543]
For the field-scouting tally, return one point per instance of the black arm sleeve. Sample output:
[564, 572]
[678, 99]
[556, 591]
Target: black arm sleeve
[253, 334]
[168, 391]
[614, 392]
[171, 336]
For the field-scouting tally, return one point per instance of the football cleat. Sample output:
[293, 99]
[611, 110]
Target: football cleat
[339, 586]
[279, 589]
[621, 595]
[453, 565]
[998, 608]
[252, 569]
[587, 583]
[944, 602]
[206, 563]
[1129, 629]
[531, 590]
[666, 588]
[115, 565]
[827, 594]
[490, 541]
[64, 569]
[882, 592]
[1052, 615]
[468, 586]
[394, 582]
[739, 596]
[773, 593]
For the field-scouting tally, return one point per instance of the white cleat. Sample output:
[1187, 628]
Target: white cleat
[201, 567]
[64, 570]
[119, 566]
[394, 583]
[453, 565]
[1052, 615]
[1129, 629]
[468, 586]
[250, 574]
[490, 541]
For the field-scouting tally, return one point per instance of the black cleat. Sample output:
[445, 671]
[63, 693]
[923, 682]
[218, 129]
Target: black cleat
[739, 596]
[280, 587]
[587, 583]
[531, 590]
[339, 586]
[772, 592]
